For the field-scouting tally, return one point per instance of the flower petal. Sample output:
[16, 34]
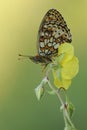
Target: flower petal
[70, 68]
[68, 51]
[64, 83]
[67, 66]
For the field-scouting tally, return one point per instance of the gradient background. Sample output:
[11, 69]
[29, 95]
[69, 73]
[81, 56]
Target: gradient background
[19, 23]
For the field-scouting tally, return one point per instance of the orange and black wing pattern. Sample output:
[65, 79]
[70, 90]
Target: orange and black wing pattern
[53, 31]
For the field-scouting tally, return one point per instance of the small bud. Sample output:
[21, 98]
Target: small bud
[39, 90]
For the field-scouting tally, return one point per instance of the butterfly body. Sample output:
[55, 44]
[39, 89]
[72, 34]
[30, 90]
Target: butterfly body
[41, 59]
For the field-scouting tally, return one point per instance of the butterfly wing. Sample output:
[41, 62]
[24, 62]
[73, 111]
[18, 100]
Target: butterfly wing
[53, 31]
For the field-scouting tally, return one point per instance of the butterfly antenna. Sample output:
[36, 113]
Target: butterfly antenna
[21, 57]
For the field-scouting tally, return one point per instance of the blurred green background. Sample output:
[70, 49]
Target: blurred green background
[19, 23]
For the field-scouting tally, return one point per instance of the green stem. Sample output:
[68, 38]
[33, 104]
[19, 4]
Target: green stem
[57, 93]
[66, 115]
[68, 118]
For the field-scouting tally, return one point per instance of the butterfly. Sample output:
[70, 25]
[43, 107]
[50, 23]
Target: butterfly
[52, 32]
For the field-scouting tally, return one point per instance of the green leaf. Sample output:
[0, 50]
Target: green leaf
[70, 107]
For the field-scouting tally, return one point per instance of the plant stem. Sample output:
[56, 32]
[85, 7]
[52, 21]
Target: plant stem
[57, 93]
[65, 112]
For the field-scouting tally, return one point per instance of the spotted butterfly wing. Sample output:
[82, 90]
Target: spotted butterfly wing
[53, 32]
